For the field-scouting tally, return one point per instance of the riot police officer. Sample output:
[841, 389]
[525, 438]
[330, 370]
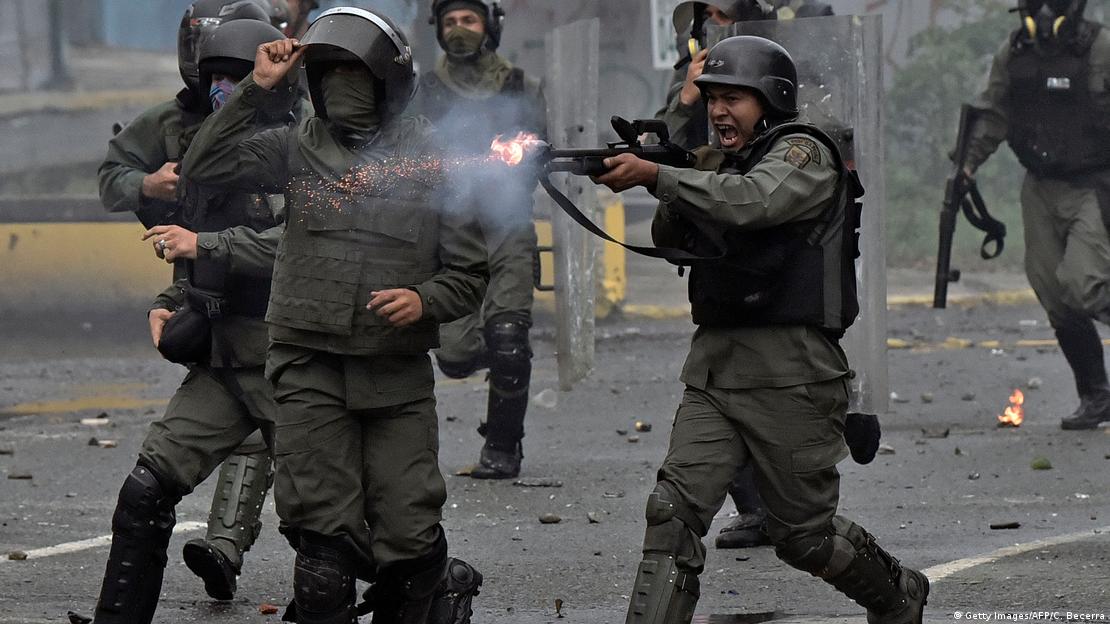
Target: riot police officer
[225, 246]
[1046, 96]
[766, 379]
[140, 174]
[473, 96]
[371, 262]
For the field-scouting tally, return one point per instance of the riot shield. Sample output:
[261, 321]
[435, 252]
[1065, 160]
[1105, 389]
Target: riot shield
[839, 63]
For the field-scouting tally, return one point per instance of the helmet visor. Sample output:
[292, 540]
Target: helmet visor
[193, 31]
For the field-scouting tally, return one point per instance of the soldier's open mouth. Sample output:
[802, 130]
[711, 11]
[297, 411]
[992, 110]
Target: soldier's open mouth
[729, 135]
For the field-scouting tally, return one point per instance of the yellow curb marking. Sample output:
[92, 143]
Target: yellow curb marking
[84, 403]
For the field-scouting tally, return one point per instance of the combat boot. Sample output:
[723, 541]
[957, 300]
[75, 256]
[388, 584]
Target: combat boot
[1094, 409]
[891, 592]
[510, 374]
[455, 597]
[495, 463]
[745, 531]
[234, 523]
[405, 591]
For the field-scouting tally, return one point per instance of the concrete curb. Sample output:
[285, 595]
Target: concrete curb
[46, 102]
[1001, 298]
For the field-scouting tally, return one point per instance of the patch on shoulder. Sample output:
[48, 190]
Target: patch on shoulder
[802, 152]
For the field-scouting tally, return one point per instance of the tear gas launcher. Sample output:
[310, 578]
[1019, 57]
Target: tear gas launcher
[962, 194]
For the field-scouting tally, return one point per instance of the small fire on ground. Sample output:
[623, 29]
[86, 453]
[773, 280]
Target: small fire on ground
[1014, 414]
[512, 152]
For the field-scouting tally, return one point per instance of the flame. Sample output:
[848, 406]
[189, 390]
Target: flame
[1014, 414]
[511, 152]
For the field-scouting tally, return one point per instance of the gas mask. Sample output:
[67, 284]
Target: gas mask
[1044, 20]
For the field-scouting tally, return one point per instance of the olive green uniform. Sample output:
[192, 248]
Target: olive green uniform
[225, 405]
[503, 204]
[356, 436]
[1067, 250]
[775, 396]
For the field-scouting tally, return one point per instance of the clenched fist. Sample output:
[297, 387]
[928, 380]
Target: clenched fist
[162, 184]
[275, 60]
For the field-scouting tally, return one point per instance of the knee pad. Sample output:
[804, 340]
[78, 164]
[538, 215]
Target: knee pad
[824, 554]
[144, 506]
[460, 370]
[670, 522]
[509, 348]
[323, 578]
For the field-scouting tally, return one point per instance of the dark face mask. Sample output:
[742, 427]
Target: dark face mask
[462, 43]
[348, 94]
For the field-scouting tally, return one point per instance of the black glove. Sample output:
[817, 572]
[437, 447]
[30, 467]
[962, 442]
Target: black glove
[862, 433]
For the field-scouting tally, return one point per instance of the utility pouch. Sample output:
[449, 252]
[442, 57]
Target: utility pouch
[187, 336]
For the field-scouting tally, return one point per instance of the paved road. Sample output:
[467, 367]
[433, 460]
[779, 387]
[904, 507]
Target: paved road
[931, 502]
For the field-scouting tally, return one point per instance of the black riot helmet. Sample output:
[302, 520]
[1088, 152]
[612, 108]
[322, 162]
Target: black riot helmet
[758, 64]
[687, 15]
[492, 14]
[201, 18]
[347, 34]
[278, 11]
[230, 49]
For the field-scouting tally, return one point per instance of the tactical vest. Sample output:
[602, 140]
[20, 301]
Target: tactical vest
[798, 273]
[339, 246]
[244, 295]
[1056, 129]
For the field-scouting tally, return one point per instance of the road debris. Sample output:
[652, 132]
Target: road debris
[643, 427]
[17, 555]
[550, 518]
[926, 397]
[546, 399]
[1041, 463]
[538, 482]
[633, 439]
[1034, 383]
[559, 608]
[1003, 526]
[935, 433]
[967, 396]
[973, 476]
[886, 449]
[593, 518]
[20, 476]
[268, 609]
[7, 450]
[898, 399]
[99, 421]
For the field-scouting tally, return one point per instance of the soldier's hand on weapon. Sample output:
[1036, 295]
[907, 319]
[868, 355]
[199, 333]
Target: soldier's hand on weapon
[627, 171]
[173, 242]
[157, 319]
[400, 306]
[162, 184]
[691, 94]
[275, 60]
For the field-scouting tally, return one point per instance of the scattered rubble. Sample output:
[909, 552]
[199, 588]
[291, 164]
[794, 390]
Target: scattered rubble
[1041, 463]
[886, 449]
[593, 518]
[20, 476]
[268, 609]
[968, 396]
[1002, 526]
[633, 439]
[643, 427]
[926, 397]
[1034, 383]
[550, 518]
[17, 555]
[546, 399]
[936, 433]
[538, 482]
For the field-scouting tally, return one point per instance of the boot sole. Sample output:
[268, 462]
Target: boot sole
[206, 564]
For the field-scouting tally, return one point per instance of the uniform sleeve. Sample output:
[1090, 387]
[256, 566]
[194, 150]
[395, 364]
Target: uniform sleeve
[679, 117]
[136, 151]
[792, 182]
[238, 251]
[459, 288]
[171, 298]
[227, 153]
[992, 126]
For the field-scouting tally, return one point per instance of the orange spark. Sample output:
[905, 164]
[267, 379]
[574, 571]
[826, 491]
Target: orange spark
[511, 152]
[1014, 414]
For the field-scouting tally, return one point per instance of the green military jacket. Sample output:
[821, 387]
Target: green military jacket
[242, 248]
[796, 181]
[373, 221]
